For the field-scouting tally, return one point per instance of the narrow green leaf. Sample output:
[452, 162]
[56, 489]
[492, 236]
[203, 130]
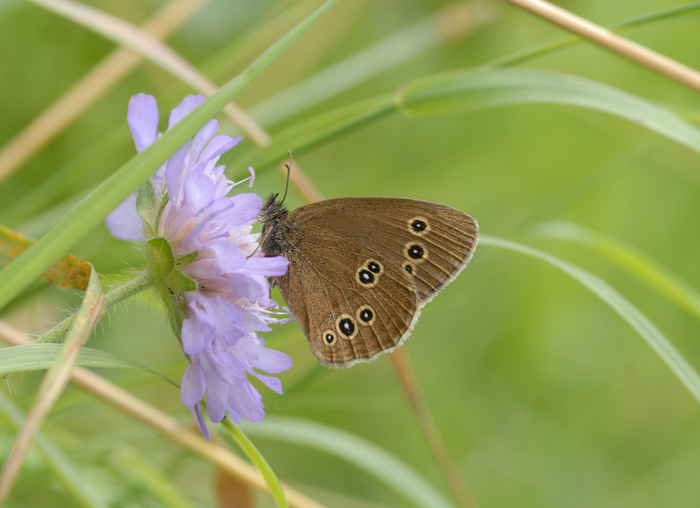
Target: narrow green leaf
[72, 178]
[160, 259]
[363, 454]
[632, 260]
[469, 90]
[147, 478]
[93, 209]
[30, 357]
[57, 462]
[316, 130]
[258, 460]
[641, 324]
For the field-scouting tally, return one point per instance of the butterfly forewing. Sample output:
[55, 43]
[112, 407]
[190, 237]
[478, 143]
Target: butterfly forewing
[443, 239]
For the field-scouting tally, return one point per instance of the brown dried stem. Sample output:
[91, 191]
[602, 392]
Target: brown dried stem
[409, 383]
[632, 51]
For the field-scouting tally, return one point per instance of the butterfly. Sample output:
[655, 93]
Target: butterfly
[361, 269]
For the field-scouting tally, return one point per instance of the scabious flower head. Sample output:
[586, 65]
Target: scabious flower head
[211, 241]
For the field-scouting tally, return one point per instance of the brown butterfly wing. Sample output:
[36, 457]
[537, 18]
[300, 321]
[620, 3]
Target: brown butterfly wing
[420, 246]
[326, 295]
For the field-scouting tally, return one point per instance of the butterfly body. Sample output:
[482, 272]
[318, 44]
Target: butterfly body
[362, 268]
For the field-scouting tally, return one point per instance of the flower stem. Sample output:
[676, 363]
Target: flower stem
[119, 294]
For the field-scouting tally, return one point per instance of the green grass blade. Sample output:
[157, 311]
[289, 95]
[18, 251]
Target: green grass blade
[56, 461]
[632, 260]
[472, 90]
[74, 176]
[258, 460]
[642, 325]
[144, 477]
[318, 129]
[376, 59]
[93, 209]
[32, 357]
[363, 454]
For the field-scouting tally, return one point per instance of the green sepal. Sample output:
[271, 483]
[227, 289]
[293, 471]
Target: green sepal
[186, 260]
[146, 202]
[178, 282]
[160, 259]
[159, 213]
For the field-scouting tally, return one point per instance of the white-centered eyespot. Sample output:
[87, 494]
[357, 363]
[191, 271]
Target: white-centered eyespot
[410, 268]
[345, 325]
[366, 278]
[365, 315]
[374, 266]
[415, 251]
[418, 226]
[329, 337]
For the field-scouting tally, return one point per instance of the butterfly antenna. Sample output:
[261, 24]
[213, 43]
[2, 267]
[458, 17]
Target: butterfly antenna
[289, 172]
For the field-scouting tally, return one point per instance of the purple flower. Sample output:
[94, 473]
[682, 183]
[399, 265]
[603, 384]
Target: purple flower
[232, 302]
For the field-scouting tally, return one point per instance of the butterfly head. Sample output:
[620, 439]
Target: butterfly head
[273, 210]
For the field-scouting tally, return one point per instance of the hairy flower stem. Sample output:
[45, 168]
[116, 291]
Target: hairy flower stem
[139, 283]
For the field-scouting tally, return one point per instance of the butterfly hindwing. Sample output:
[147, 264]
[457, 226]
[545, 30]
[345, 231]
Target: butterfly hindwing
[348, 312]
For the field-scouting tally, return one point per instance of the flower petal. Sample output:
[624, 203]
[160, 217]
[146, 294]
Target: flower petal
[199, 193]
[142, 117]
[227, 318]
[175, 174]
[245, 400]
[198, 329]
[193, 386]
[217, 394]
[255, 289]
[246, 208]
[201, 139]
[226, 367]
[260, 357]
[229, 257]
[272, 383]
[183, 109]
[220, 144]
[275, 266]
[124, 223]
[253, 322]
[201, 422]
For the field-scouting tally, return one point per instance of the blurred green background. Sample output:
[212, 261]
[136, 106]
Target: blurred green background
[543, 396]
